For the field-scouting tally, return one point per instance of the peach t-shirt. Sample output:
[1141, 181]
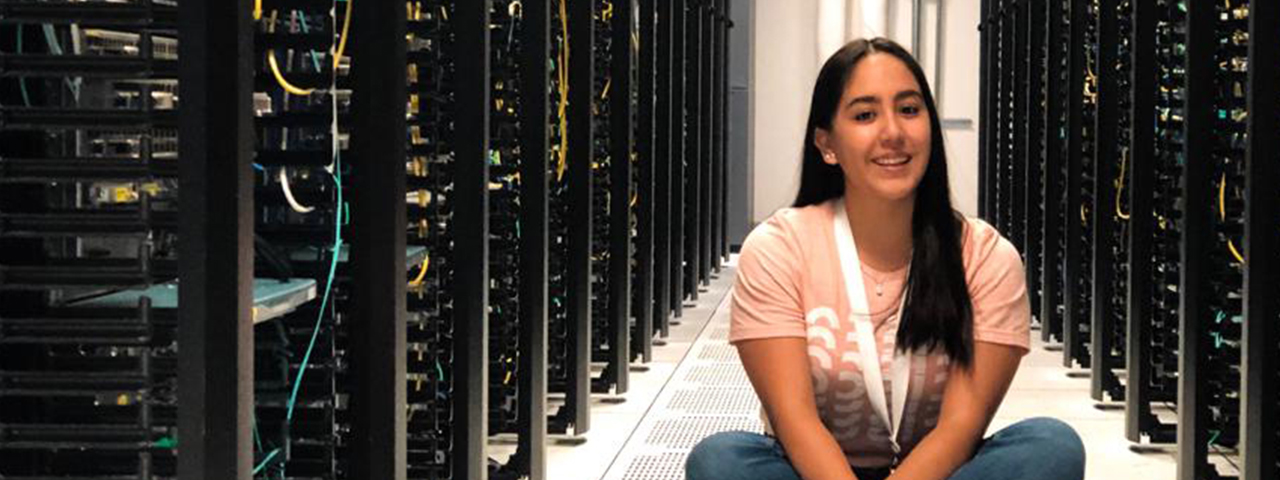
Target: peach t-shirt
[790, 284]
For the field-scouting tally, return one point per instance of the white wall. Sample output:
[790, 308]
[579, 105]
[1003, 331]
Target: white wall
[784, 67]
[792, 39]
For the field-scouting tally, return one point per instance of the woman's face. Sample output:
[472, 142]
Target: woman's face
[880, 136]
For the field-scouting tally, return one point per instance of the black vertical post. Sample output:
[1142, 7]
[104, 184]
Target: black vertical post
[581, 77]
[645, 150]
[1141, 222]
[377, 340]
[679, 80]
[471, 262]
[693, 146]
[1051, 270]
[707, 124]
[725, 24]
[1198, 108]
[1071, 335]
[984, 107]
[1258, 389]
[1106, 155]
[535, 135]
[717, 135]
[664, 286]
[215, 362]
[1001, 118]
[1034, 96]
[1001, 140]
[1018, 160]
[620, 196]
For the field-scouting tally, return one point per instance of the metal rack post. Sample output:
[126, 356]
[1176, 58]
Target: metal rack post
[1197, 232]
[665, 279]
[535, 135]
[1105, 156]
[1259, 391]
[1142, 223]
[471, 257]
[581, 132]
[1071, 336]
[215, 363]
[644, 312]
[620, 138]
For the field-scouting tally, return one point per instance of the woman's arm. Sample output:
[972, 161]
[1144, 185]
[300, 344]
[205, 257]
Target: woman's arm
[970, 401]
[779, 371]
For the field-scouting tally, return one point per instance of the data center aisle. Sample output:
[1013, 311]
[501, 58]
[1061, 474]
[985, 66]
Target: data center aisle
[696, 387]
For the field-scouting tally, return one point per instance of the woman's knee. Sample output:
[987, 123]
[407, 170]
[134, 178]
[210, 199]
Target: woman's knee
[716, 456]
[1056, 442]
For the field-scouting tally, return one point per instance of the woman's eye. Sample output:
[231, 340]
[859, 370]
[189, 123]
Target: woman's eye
[863, 116]
[911, 110]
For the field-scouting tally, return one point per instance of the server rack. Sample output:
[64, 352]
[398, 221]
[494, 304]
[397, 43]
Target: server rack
[92, 391]
[1152, 201]
[1052, 282]
[1164, 165]
[1109, 258]
[611, 156]
[569, 372]
[396, 343]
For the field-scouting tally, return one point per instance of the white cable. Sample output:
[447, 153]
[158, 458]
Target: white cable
[288, 194]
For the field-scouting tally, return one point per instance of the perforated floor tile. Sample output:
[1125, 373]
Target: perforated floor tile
[719, 354]
[685, 432]
[717, 375]
[715, 401]
[663, 466]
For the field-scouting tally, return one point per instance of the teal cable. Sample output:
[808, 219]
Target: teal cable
[51, 37]
[328, 288]
[315, 56]
[265, 461]
[22, 81]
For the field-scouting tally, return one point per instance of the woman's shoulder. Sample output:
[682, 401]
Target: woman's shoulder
[984, 246]
[790, 226]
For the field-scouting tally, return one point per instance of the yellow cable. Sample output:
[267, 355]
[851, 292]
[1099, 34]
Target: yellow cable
[422, 274]
[604, 95]
[1124, 160]
[275, 67]
[257, 10]
[563, 73]
[342, 41]
[1222, 214]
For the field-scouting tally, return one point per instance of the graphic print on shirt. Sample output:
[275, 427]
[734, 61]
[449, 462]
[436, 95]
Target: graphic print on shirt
[839, 389]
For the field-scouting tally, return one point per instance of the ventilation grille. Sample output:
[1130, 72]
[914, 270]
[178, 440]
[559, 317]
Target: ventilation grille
[716, 401]
[685, 432]
[665, 466]
[719, 353]
[718, 375]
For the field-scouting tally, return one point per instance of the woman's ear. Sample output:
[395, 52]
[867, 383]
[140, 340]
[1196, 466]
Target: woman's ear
[822, 140]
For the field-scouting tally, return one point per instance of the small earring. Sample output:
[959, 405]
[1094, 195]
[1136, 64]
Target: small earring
[829, 157]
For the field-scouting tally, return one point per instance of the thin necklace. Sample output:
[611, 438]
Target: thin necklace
[878, 281]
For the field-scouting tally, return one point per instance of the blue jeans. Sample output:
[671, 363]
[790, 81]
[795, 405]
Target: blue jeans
[1033, 449]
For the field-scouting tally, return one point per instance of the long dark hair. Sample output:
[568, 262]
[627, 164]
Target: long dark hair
[938, 312]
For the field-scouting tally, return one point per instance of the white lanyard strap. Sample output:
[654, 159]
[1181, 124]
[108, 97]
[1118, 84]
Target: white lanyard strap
[861, 310]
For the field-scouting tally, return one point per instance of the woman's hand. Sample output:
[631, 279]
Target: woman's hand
[971, 399]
